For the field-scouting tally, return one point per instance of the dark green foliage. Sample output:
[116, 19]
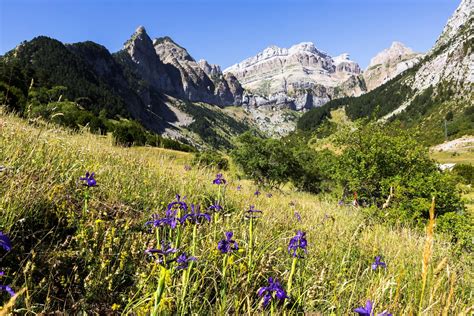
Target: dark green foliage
[266, 161]
[50, 63]
[210, 158]
[315, 117]
[206, 122]
[128, 133]
[465, 172]
[314, 170]
[385, 99]
[274, 162]
[131, 133]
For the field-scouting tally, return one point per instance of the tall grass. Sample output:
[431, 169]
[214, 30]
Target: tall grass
[95, 262]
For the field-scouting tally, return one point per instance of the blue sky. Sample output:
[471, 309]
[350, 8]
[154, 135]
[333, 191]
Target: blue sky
[228, 31]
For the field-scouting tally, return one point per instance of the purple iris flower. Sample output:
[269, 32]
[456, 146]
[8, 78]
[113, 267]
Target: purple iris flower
[179, 204]
[252, 212]
[340, 203]
[8, 289]
[195, 216]
[219, 179]
[89, 180]
[366, 310]
[162, 253]
[228, 244]
[378, 263]
[384, 313]
[183, 261]
[297, 242]
[298, 216]
[215, 207]
[272, 291]
[5, 242]
[239, 187]
[169, 219]
[257, 193]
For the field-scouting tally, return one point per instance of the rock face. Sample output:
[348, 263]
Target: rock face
[452, 57]
[300, 77]
[170, 69]
[389, 63]
[201, 81]
[450, 61]
[148, 64]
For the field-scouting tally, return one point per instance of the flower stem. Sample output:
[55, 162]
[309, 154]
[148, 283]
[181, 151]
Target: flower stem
[292, 272]
[250, 248]
[159, 291]
[223, 291]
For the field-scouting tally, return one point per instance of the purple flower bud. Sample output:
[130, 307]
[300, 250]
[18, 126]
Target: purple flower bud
[252, 212]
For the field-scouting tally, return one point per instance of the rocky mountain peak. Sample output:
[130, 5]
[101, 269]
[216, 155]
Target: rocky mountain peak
[210, 69]
[166, 48]
[140, 30]
[139, 44]
[389, 63]
[397, 51]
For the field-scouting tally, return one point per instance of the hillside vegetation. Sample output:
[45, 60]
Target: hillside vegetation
[88, 249]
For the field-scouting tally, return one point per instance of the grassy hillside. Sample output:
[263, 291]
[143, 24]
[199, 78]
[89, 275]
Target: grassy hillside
[73, 256]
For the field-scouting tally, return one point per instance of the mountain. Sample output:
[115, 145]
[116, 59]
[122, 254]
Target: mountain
[435, 96]
[300, 77]
[389, 63]
[200, 81]
[170, 95]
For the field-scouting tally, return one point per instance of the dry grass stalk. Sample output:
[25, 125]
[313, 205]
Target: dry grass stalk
[428, 250]
[451, 293]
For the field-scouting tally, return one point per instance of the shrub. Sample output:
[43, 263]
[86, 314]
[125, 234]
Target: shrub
[274, 162]
[267, 161]
[212, 159]
[377, 158]
[465, 172]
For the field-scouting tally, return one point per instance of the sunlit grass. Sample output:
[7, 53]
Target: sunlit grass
[95, 262]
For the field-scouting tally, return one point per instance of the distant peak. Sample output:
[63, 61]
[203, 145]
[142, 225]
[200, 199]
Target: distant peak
[393, 53]
[140, 30]
[396, 45]
[304, 47]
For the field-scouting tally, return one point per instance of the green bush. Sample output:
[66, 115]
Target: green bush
[210, 158]
[465, 172]
[275, 162]
[267, 161]
[377, 158]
